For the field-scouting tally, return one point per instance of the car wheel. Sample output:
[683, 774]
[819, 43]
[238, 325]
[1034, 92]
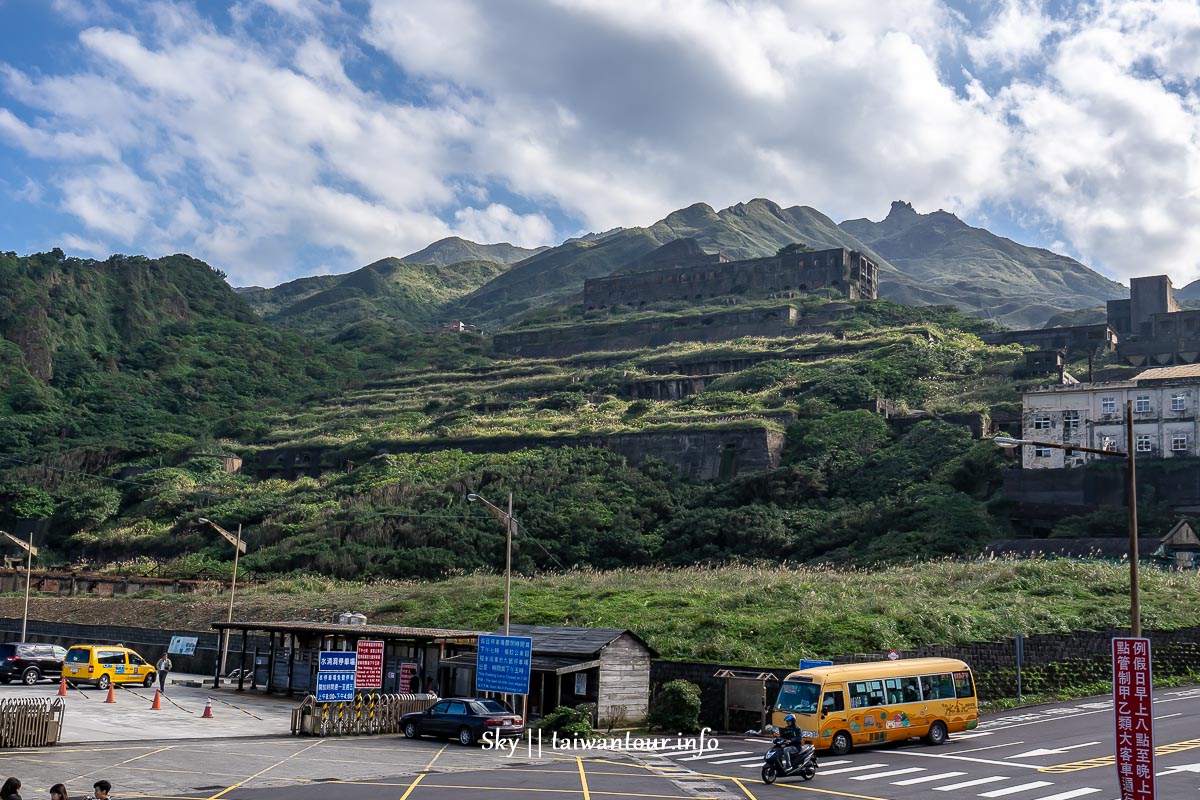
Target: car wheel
[465, 737]
[149, 681]
[31, 676]
[841, 743]
[103, 682]
[411, 731]
[937, 734]
[769, 774]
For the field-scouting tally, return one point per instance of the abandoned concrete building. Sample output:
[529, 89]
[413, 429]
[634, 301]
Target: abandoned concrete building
[698, 276]
[1152, 328]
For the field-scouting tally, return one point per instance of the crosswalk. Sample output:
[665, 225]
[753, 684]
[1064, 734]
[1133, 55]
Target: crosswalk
[954, 783]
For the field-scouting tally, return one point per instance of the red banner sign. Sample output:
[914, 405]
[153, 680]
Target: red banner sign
[368, 673]
[1132, 697]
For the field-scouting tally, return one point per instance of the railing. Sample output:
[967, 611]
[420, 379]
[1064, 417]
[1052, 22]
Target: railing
[31, 722]
[365, 715]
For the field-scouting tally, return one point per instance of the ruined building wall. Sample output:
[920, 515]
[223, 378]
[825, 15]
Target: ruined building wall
[847, 271]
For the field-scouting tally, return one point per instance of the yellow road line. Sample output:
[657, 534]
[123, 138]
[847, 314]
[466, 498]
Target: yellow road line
[1108, 761]
[742, 786]
[261, 772]
[123, 763]
[425, 772]
[583, 779]
[736, 779]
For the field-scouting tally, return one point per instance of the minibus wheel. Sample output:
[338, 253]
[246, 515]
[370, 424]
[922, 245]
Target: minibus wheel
[841, 743]
[937, 734]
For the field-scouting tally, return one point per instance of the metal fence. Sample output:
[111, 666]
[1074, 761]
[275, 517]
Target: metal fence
[31, 722]
[366, 714]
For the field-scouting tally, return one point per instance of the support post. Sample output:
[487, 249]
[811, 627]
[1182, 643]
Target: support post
[1135, 610]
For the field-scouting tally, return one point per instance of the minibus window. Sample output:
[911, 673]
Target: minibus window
[894, 690]
[798, 697]
[963, 687]
[832, 701]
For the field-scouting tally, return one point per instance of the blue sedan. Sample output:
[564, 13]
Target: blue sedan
[464, 718]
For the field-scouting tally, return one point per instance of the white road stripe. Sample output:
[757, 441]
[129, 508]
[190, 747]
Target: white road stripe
[737, 760]
[835, 763]
[859, 768]
[1070, 794]
[906, 771]
[717, 754]
[928, 778]
[1024, 787]
[965, 784]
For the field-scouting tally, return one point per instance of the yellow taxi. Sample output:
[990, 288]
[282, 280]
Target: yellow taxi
[105, 664]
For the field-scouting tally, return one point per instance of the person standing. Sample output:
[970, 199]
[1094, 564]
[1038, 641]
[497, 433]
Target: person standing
[11, 790]
[163, 667]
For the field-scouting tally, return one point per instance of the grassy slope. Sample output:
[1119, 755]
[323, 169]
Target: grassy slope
[766, 616]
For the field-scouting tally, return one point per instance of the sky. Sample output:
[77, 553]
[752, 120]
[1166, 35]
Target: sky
[281, 138]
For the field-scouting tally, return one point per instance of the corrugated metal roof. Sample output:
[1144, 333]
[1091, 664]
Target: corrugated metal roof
[359, 631]
[1169, 373]
[560, 640]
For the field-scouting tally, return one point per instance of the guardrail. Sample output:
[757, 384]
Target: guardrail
[365, 715]
[31, 722]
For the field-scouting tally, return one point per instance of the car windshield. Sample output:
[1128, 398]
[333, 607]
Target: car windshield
[489, 707]
[77, 656]
[799, 697]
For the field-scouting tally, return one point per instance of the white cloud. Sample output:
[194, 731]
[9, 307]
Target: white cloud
[498, 223]
[1014, 35]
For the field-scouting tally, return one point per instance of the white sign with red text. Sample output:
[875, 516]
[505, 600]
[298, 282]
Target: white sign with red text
[368, 672]
[1133, 695]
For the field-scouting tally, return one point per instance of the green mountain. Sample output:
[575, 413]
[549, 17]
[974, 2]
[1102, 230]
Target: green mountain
[941, 259]
[111, 353]
[452, 250]
[391, 293]
[924, 259]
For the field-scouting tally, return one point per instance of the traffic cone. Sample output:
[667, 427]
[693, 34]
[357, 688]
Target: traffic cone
[157, 704]
[62, 687]
[112, 694]
[207, 709]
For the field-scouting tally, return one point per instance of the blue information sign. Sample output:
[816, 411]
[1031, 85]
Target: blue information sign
[809, 663]
[334, 687]
[504, 664]
[337, 661]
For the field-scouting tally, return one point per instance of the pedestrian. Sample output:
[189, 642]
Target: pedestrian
[11, 790]
[58, 792]
[100, 790]
[430, 687]
[163, 666]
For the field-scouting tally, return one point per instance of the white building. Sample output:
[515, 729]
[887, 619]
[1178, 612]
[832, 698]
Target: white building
[1165, 414]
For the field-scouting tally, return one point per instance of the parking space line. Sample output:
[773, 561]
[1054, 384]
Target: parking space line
[282, 761]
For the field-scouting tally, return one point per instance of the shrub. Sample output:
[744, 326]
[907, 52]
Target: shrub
[569, 723]
[676, 707]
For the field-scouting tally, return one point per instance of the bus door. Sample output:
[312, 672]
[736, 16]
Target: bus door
[833, 712]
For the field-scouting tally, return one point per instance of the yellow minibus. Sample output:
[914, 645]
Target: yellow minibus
[846, 705]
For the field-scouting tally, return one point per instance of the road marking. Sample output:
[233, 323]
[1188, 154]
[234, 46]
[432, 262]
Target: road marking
[1108, 761]
[282, 761]
[1070, 794]
[1052, 751]
[927, 778]
[583, 779]
[1024, 787]
[859, 768]
[742, 786]
[965, 784]
[738, 760]
[717, 755]
[989, 747]
[905, 771]
[1016, 764]
[835, 763]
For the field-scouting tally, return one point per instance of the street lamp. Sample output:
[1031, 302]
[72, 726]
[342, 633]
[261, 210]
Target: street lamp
[1135, 615]
[508, 521]
[30, 551]
[239, 547]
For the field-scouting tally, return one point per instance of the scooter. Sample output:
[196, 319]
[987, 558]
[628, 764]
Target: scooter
[802, 763]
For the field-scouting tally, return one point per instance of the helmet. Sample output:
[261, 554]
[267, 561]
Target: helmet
[790, 718]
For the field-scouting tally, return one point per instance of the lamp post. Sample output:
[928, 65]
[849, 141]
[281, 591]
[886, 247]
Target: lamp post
[1135, 613]
[507, 519]
[30, 551]
[238, 548]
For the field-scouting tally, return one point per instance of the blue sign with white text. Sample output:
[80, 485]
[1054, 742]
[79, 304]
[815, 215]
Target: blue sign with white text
[809, 663]
[337, 661]
[504, 664]
[335, 687]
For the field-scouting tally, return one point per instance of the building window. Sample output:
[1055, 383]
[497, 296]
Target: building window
[1179, 402]
[1142, 404]
[1108, 405]
[1071, 421]
[1041, 423]
[1143, 443]
[1179, 443]
[1041, 452]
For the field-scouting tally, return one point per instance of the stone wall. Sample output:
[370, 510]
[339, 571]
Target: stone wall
[70, 584]
[849, 272]
[1052, 662]
[639, 334]
[707, 454]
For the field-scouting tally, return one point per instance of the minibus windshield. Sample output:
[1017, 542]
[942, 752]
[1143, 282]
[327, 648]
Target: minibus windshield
[798, 697]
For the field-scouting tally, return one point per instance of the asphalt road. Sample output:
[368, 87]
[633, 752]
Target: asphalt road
[1056, 752]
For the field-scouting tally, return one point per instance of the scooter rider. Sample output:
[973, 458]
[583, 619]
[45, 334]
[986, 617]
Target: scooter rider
[793, 737]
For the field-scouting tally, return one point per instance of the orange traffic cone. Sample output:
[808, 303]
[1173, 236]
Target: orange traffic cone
[112, 695]
[62, 687]
[207, 709]
[157, 704]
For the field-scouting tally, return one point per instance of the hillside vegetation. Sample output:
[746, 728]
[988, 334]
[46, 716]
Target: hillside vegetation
[768, 616]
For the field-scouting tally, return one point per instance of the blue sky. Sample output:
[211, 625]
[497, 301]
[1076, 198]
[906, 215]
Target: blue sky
[281, 138]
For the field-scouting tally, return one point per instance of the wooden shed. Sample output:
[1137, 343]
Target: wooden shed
[572, 666]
